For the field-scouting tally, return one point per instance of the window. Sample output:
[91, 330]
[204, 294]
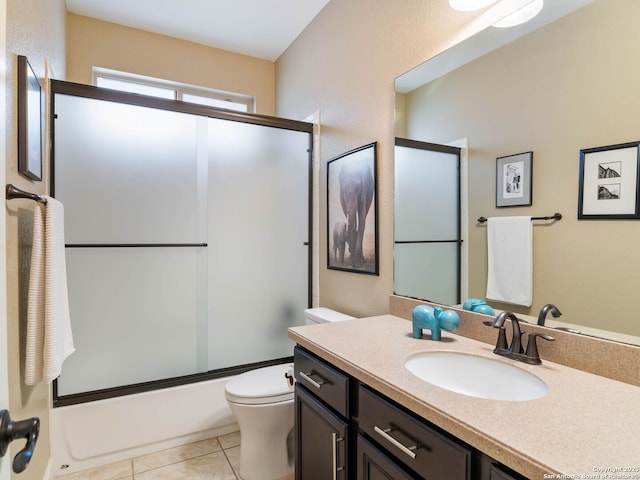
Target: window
[129, 82]
[214, 102]
[135, 87]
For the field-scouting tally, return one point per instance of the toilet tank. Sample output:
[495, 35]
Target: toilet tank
[324, 315]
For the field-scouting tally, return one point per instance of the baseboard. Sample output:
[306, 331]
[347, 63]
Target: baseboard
[48, 473]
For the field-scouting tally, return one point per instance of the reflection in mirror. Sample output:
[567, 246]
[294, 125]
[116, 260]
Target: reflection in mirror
[553, 89]
[427, 244]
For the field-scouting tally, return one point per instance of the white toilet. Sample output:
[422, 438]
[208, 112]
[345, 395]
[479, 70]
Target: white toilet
[324, 315]
[262, 402]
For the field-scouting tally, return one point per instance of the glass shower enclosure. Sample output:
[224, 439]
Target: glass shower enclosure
[427, 229]
[187, 238]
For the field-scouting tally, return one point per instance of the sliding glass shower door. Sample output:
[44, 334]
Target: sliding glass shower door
[187, 238]
[427, 231]
[258, 224]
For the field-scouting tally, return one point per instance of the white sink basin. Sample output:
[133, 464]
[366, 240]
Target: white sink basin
[476, 376]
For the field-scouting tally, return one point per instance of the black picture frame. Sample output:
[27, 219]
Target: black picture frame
[608, 188]
[352, 245]
[29, 121]
[514, 180]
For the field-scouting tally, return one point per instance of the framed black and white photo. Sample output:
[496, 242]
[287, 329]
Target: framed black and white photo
[608, 187]
[29, 121]
[514, 180]
[352, 213]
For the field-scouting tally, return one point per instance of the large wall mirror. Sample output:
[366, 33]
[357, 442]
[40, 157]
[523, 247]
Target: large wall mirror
[567, 83]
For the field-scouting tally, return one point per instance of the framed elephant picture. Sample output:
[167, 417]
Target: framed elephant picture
[352, 211]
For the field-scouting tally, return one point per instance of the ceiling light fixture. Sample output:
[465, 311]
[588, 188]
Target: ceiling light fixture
[522, 15]
[469, 5]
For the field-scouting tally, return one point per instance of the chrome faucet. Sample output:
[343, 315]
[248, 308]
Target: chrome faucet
[515, 350]
[549, 307]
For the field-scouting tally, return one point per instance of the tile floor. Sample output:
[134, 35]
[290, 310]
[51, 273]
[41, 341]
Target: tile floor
[213, 459]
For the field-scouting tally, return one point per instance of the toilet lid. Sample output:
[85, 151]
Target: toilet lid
[260, 386]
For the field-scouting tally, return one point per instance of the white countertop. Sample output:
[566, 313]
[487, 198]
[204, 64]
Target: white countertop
[585, 422]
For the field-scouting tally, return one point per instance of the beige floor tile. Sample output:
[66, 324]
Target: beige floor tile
[229, 440]
[208, 467]
[233, 455]
[113, 471]
[174, 455]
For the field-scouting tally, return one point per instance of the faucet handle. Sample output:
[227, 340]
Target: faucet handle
[531, 354]
[501, 343]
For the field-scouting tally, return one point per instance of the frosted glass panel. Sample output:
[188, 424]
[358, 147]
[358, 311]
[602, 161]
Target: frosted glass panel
[126, 174]
[133, 314]
[258, 223]
[427, 271]
[426, 186]
[131, 175]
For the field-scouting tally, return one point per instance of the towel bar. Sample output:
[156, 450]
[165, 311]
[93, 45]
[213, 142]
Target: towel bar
[15, 192]
[555, 216]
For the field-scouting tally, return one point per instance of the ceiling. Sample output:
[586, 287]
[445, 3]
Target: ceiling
[258, 28]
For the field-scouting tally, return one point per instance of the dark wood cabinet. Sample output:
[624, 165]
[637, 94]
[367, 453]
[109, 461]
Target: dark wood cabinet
[410, 440]
[373, 464]
[322, 439]
[345, 430]
[321, 419]
[325, 381]
[499, 473]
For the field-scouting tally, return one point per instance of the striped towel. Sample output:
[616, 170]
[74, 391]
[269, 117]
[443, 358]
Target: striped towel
[49, 337]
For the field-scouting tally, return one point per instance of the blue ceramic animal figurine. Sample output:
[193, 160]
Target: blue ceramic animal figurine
[434, 319]
[478, 306]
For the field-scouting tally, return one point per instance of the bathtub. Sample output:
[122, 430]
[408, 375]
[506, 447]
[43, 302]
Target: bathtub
[106, 431]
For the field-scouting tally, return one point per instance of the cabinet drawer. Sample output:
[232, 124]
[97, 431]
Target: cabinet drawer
[327, 383]
[410, 440]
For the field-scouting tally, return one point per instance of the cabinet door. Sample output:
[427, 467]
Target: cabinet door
[498, 473]
[321, 438]
[375, 465]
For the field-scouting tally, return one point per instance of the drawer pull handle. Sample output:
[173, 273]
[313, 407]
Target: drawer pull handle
[335, 439]
[385, 434]
[307, 378]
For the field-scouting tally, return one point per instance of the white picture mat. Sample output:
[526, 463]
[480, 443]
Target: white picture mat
[514, 180]
[626, 203]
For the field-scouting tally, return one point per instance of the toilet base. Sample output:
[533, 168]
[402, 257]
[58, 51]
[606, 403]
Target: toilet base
[266, 440]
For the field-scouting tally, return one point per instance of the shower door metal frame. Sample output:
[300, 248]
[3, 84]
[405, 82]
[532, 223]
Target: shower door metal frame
[97, 93]
[436, 147]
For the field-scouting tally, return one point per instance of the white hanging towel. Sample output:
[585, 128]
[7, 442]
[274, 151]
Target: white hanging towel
[510, 260]
[49, 337]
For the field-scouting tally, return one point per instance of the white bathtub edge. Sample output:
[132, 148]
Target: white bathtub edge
[97, 433]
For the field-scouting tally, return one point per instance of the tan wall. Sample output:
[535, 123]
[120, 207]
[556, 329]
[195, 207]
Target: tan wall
[344, 65]
[35, 28]
[93, 43]
[553, 96]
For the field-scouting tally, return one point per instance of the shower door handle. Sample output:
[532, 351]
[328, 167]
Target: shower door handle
[10, 431]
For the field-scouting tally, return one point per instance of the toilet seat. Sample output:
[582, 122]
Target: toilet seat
[261, 386]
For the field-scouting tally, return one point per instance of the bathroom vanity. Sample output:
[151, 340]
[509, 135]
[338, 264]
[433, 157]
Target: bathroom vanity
[345, 430]
[373, 418]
